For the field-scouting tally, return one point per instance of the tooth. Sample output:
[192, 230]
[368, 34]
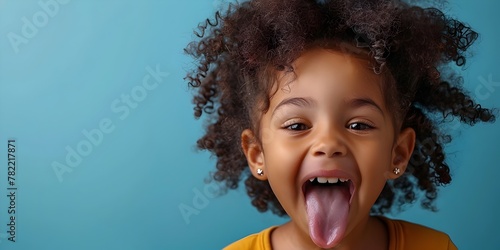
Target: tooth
[322, 179]
[343, 180]
[312, 179]
[333, 180]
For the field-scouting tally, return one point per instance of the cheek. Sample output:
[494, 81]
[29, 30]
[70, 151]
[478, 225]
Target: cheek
[375, 159]
[282, 159]
[371, 155]
[374, 162]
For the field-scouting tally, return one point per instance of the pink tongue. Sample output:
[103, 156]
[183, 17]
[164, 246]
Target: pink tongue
[327, 209]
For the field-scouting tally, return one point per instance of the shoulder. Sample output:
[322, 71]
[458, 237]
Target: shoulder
[408, 236]
[258, 241]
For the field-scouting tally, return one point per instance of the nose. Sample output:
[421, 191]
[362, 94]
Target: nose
[329, 143]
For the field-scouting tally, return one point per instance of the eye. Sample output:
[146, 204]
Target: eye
[359, 126]
[297, 127]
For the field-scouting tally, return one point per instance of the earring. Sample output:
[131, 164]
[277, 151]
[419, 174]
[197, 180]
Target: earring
[260, 172]
[396, 171]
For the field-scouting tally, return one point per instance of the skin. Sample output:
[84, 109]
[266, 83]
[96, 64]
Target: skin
[330, 119]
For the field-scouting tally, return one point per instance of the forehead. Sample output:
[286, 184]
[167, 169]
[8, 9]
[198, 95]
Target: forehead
[322, 71]
[340, 62]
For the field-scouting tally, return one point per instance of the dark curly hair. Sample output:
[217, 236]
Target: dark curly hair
[238, 51]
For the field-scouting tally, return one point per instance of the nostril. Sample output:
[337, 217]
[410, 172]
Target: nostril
[337, 153]
[319, 153]
[329, 147]
[322, 153]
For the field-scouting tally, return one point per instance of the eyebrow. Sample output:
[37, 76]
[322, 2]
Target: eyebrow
[297, 101]
[360, 102]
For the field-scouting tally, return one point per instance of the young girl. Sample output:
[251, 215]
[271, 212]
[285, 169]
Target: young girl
[330, 111]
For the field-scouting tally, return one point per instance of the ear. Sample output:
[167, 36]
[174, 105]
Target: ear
[402, 151]
[254, 154]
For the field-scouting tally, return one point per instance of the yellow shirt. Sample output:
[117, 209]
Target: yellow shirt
[402, 236]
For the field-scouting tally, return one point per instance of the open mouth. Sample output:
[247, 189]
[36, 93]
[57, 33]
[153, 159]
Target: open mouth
[328, 201]
[329, 182]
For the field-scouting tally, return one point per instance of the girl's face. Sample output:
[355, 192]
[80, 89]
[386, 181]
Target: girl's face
[329, 123]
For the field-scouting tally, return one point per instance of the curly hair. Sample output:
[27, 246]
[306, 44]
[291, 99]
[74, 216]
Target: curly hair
[238, 51]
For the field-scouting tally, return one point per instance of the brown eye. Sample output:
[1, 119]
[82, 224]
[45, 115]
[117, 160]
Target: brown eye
[297, 127]
[359, 126]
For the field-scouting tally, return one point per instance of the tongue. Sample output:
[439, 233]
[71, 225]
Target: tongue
[327, 210]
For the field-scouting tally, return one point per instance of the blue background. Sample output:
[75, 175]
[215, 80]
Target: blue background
[126, 192]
